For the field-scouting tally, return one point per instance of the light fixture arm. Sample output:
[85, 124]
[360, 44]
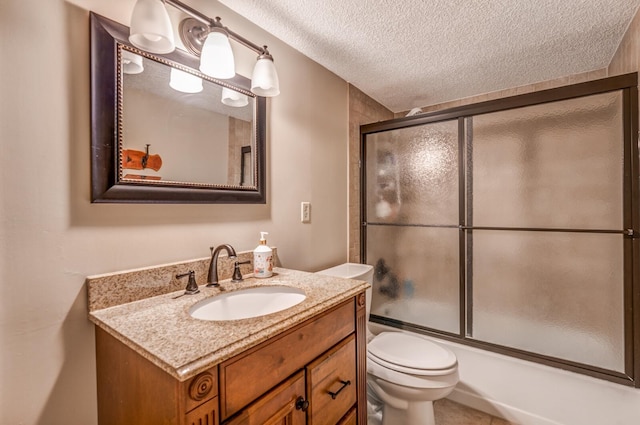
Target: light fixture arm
[191, 12]
[215, 23]
[240, 39]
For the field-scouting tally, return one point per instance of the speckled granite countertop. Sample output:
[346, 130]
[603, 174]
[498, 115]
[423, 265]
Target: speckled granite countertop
[161, 329]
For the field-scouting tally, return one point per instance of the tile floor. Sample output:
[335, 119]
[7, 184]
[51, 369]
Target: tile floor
[449, 412]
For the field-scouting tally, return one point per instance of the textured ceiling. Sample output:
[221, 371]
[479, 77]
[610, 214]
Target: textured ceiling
[420, 52]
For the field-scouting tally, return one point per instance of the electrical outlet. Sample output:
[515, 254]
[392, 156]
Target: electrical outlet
[305, 212]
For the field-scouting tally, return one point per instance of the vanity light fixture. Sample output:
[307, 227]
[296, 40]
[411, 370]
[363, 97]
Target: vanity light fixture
[216, 58]
[202, 36]
[264, 81]
[184, 82]
[150, 27]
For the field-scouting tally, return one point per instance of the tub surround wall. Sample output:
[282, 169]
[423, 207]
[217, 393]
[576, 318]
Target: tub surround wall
[529, 88]
[627, 57]
[362, 110]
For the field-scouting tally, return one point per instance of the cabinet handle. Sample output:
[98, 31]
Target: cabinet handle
[302, 404]
[344, 385]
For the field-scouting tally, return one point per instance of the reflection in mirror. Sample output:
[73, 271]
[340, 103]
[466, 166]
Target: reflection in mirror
[178, 127]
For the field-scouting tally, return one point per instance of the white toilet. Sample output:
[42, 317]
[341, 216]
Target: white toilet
[404, 371]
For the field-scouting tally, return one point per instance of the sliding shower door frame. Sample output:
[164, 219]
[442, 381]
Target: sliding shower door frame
[631, 219]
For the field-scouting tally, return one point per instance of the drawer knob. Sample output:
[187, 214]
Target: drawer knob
[302, 404]
[345, 384]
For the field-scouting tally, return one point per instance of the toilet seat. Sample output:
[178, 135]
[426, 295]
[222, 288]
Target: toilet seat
[410, 354]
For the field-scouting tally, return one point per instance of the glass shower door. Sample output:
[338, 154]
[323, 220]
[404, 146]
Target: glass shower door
[547, 264]
[412, 234]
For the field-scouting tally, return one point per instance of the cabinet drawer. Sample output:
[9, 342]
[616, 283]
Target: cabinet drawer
[249, 375]
[200, 388]
[331, 383]
[276, 407]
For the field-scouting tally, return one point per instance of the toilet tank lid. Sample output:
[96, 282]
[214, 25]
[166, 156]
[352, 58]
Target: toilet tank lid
[410, 351]
[348, 271]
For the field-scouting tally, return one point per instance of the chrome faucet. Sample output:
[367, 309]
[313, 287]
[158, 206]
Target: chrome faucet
[212, 279]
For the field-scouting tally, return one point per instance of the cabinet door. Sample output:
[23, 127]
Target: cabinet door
[350, 418]
[278, 407]
[331, 383]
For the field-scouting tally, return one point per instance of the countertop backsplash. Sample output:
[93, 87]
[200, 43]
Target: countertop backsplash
[111, 289]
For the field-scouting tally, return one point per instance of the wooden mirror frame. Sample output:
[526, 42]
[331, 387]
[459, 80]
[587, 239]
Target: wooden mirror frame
[106, 35]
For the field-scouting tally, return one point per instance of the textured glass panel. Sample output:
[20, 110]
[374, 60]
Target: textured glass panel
[416, 277]
[412, 175]
[557, 294]
[556, 165]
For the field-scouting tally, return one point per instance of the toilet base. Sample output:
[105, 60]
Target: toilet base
[418, 413]
[408, 405]
[374, 413]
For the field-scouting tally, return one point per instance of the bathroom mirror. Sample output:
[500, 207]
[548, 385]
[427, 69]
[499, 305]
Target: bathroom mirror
[162, 132]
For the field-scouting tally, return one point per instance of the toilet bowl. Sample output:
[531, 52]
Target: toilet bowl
[404, 371]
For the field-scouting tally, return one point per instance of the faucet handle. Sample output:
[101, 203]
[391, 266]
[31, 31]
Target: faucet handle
[192, 285]
[237, 275]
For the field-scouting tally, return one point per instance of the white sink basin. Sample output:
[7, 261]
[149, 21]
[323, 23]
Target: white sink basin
[247, 303]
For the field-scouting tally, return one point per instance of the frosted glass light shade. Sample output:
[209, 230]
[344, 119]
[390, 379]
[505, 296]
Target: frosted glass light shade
[216, 59]
[131, 63]
[234, 98]
[184, 82]
[264, 81]
[150, 28]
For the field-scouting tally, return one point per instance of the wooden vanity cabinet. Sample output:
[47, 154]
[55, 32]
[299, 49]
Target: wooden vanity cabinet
[322, 352]
[314, 373]
[132, 390]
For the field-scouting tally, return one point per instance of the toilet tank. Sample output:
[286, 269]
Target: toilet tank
[353, 271]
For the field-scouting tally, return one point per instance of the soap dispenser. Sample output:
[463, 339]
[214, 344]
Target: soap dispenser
[263, 258]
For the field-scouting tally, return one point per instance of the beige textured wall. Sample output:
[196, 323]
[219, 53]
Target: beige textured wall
[52, 237]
